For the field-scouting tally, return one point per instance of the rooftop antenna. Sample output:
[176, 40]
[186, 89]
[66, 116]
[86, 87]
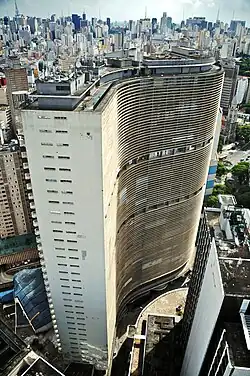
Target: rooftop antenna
[183, 14]
[233, 15]
[145, 12]
[17, 14]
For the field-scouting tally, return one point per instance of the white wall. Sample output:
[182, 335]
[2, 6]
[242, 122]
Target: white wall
[207, 311]
[238, 371]
[84, 150]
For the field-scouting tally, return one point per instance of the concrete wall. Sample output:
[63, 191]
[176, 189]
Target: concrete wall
[208, 308]
[75, 264]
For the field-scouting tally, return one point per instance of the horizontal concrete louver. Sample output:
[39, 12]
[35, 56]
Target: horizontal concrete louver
[165, 134]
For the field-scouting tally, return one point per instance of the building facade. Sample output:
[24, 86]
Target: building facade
[15, 216]
[216, 317]
[118, 176]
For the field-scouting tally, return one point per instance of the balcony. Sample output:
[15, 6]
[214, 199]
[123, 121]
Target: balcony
[33, 215]
[37, 232]
[38, 239]
[21, 142]
[39, 247]
[29, 186]
[24, 154]
[30, 196]
[27, 176]
[32, 205]
[25, 166]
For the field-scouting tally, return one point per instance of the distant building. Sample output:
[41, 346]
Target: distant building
[16, 81]
[15, 218]
[216, 318]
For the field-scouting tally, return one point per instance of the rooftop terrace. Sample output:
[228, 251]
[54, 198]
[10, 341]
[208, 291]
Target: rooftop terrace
[233, 253]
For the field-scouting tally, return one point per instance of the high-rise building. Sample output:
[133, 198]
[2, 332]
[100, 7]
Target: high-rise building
[118, 175]
[16, 81]
[15, 216]
[216, 317]
[154, 25]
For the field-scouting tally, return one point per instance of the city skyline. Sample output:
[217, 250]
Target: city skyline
[227, 10]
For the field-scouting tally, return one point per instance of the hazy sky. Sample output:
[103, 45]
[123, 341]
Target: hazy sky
[132, 9]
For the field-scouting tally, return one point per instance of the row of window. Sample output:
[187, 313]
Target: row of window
[59, 213]
[68, 240]
[63, 202]
[66, 223]
[61, 180]
[63, 192]
[54, 169]
[50, 144]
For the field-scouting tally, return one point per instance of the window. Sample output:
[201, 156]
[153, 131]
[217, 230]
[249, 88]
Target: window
[55, 212]
[53, 202]
[74, 266]
[70, 232]
[52, 191]
[66, 293]
[46, 144]
[51, 180]
[65, 181]
[61, 257]
[73, 249]
[70, 223]
[75, 273]
[65, 286]
[73, 258]
[42, 117]
[59, 249]
[75, 280]
[64, 279]
[62, 144]
[77, 287]
[57, 222]
[57, 230]
[64, 169]
[48, 156]
[67, 192]
[69, 213]
[77, 294]
[71, 241]
[68, 202]
[62, 88]
[63, 272]
[63, 157]
[45, 130]
[59, 240]
[49, 168]
[61, 130]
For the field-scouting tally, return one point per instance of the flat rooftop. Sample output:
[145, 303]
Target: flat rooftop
[234, 258]
[12, 349]
[238, 352]
[42, 368]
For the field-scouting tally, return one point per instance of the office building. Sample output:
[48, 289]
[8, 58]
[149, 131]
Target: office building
[16, 81]
[115, 200]
[15, 216]
[216, 317]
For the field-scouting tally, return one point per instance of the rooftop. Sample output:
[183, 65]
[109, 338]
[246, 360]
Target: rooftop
[42, 368]
[90, 93]
[231, 232]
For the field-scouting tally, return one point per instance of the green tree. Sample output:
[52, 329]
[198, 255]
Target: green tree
[212, 201]
[221, 169]
[244, 199]
[219, 189]
[240, 172]
[243, 133]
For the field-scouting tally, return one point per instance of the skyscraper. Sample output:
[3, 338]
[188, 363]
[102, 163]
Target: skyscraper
[118, 175]
[16, 81]
[216, 317]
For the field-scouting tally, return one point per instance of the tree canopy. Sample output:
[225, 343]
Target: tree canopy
[240, 172]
